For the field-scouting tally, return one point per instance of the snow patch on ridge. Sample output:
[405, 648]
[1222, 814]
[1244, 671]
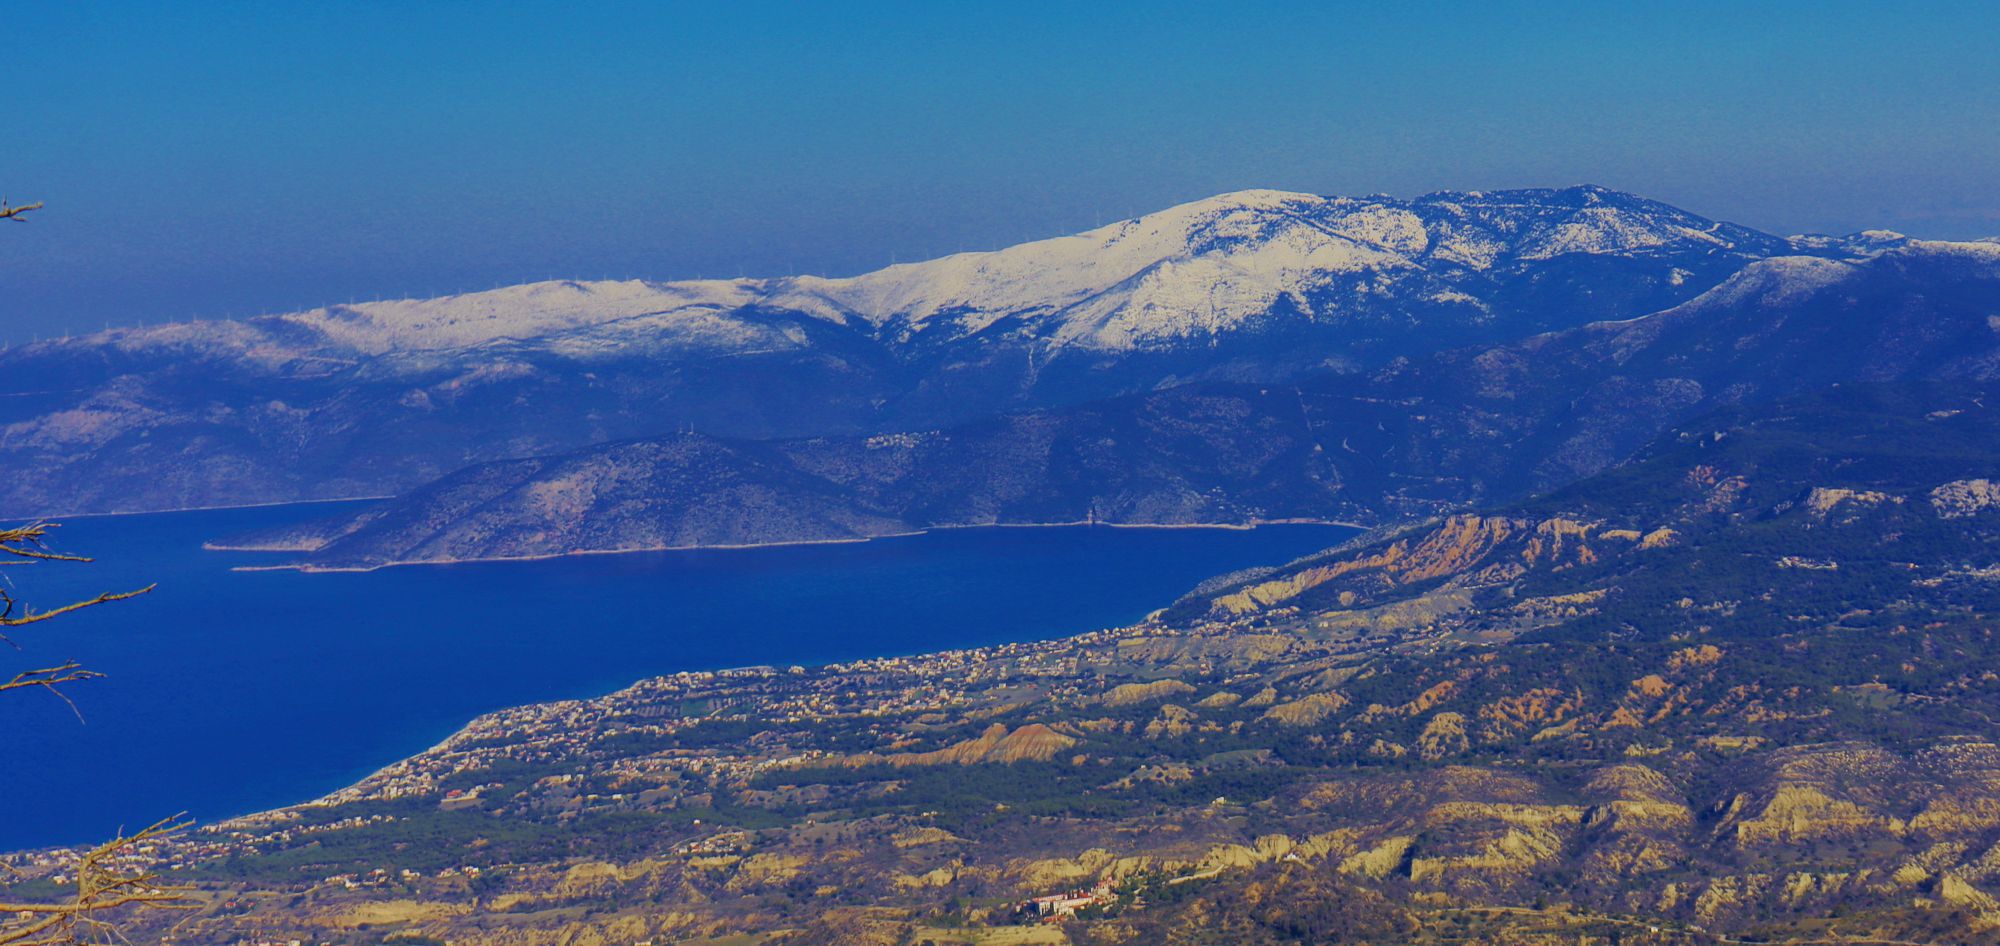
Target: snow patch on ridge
[1193, 271]
[525, 311]
[1777, 281]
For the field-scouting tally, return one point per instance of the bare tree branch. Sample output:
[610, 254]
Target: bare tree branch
[31, 542]
[9, 619]
[49, 678]
[109, 878]
[17, 213]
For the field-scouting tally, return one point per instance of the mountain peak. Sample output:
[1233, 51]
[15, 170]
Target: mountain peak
[1574, 195]
[1199, 268]
[1255, 198]
[1193, 271]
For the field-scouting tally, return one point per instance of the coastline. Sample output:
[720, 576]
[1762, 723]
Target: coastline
[54, 517]
[311, 569]
[922, 637]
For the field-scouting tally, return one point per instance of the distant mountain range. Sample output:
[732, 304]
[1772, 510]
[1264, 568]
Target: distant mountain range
[1420, 437]
[1257, 287]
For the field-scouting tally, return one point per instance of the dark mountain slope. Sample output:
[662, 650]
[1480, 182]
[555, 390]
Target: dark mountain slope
[1225, 454]
[1483, 424]
[1424, 436]
[1893, 481]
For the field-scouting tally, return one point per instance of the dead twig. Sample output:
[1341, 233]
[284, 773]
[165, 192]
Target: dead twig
[49, 678]
[110, 877]
[9, 619]
[30, 542]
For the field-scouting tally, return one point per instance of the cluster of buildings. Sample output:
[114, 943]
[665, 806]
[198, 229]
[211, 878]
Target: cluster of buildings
[594, 752]
[1058, 906]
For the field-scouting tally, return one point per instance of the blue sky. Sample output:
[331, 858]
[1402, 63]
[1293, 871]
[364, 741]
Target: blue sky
[222, 159]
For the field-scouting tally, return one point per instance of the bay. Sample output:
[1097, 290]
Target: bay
[230, 691]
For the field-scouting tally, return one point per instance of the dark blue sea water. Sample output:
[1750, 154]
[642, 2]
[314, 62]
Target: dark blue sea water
[232, 691]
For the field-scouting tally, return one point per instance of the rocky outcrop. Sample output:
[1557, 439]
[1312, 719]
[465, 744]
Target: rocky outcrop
[1443, 736]
[1961, 498]
[1308, 710]
[1461, 550]
[1131, 694]
[1032, 742]
[1823, 500]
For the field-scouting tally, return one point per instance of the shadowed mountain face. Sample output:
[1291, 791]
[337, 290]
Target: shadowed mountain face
[1256, 286]
[1212, 454]
[1887, 478]
[1493, 423]
[1421, 437]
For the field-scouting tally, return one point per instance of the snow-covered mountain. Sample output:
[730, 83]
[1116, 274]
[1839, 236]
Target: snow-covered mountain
[1189, 272]
[1206, 268]
[1496, 423]
[1254, 285]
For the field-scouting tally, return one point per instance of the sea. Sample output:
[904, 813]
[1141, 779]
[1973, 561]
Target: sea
[232, 688]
